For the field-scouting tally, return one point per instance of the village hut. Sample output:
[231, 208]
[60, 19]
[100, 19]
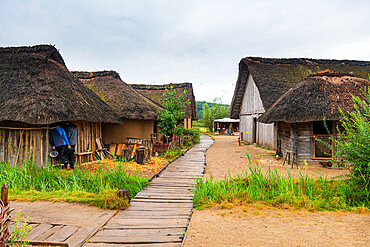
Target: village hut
[155, 93]
[262, 81]
[37, 93]
[139, 114]
[299, 114]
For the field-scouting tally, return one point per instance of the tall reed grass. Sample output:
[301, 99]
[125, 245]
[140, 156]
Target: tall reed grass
[274, 188]
[28, 182]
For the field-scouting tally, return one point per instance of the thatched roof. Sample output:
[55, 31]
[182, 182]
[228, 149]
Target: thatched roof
[274, 77]
[37, 88]
[318, 96]
[155, 93]
[127, 103]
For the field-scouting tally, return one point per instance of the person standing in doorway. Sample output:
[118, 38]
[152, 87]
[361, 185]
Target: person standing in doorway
[59, 141]
[72, 134]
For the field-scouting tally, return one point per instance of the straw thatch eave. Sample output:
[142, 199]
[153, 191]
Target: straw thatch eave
[155, 93]
[274, 77]
[37, 88]
[317, 97]
[124, 100]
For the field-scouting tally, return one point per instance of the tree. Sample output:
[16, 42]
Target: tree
[353, 146]
[215, 111]
[170, 120]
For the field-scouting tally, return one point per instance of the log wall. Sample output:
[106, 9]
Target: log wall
[32, 142]
[297, 137]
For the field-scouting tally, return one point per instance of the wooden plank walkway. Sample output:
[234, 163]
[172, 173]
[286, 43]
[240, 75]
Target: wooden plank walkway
[158, 215]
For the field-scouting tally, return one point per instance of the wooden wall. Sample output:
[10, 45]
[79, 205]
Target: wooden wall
[297, 137]
[32, 142]
[87, 133]
[17, 145]
[252, 107]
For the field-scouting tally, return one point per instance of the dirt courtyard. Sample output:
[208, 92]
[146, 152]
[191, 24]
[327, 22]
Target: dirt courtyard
[226, 156]
[257, 225]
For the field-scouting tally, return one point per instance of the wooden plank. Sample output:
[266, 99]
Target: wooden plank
[162, 205]
[48, 233]
[133, 245]
[80, 236]
[138, 240]
[161, 200]
[62, 234]
[39, 230]
[164, 197]
[140, 232]
[155, 216]
[149, 221]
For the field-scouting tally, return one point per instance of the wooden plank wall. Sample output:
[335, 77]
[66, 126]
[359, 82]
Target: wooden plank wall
[87, 133]
[284, 140]
[305, 144]
[18, 145]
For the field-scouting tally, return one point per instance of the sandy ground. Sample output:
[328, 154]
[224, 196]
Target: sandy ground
[226, 156]
[257, 225]
[252, 226]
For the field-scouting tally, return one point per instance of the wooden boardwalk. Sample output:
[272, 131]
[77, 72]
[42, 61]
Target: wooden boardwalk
[159, 215]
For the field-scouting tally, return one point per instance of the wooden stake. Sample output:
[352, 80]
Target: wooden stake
[4, 194]
[156, 162]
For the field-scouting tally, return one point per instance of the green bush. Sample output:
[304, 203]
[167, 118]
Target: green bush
[352, 144]
[194, 135]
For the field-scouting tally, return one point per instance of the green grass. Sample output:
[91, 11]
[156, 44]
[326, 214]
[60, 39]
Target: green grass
[27, 182]
[274, 189]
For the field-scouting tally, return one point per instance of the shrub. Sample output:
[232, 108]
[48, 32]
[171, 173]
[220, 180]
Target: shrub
[353, 146]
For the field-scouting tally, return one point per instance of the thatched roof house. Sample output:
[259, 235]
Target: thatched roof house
[262, 81]
[155, 93]
[127, 102]
[299, 113]
[273, 76]
[37, 90]
[319, 95]
[137, 112]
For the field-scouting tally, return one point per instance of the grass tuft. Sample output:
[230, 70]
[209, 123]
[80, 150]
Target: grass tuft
[28, 182]
[275, 189]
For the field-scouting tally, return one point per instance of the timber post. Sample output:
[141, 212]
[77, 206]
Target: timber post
[4, 194]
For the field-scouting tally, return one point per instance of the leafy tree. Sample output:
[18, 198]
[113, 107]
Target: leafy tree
[215, 111]
[171, 119]
[353, 146]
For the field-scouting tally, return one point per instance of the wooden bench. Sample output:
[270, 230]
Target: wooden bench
[89, 154]
[289, 155]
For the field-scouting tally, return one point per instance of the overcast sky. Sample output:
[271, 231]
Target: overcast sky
[200, 41]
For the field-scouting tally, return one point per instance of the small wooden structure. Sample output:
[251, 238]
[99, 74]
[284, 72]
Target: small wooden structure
[155, 93]
[262, 81]
[38, 92]
[223, 124]
[299, 114]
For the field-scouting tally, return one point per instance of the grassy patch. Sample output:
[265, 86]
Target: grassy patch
[274, 189]
[27, 182]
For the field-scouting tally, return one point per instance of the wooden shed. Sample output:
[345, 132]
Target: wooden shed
[155, 93]
[139, 114]
[299, 114]
[37, 93]
[262, 81]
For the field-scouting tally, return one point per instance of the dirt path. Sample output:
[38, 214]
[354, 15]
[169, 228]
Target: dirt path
[226, 156]
[260, 226]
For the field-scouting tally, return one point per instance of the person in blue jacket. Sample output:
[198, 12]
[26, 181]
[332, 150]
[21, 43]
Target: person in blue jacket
[59, 141]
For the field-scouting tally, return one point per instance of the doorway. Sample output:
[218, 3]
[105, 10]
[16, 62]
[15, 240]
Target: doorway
[254, 134]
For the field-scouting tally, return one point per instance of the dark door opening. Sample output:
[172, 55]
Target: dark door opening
[254, 130]
[321, 138]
